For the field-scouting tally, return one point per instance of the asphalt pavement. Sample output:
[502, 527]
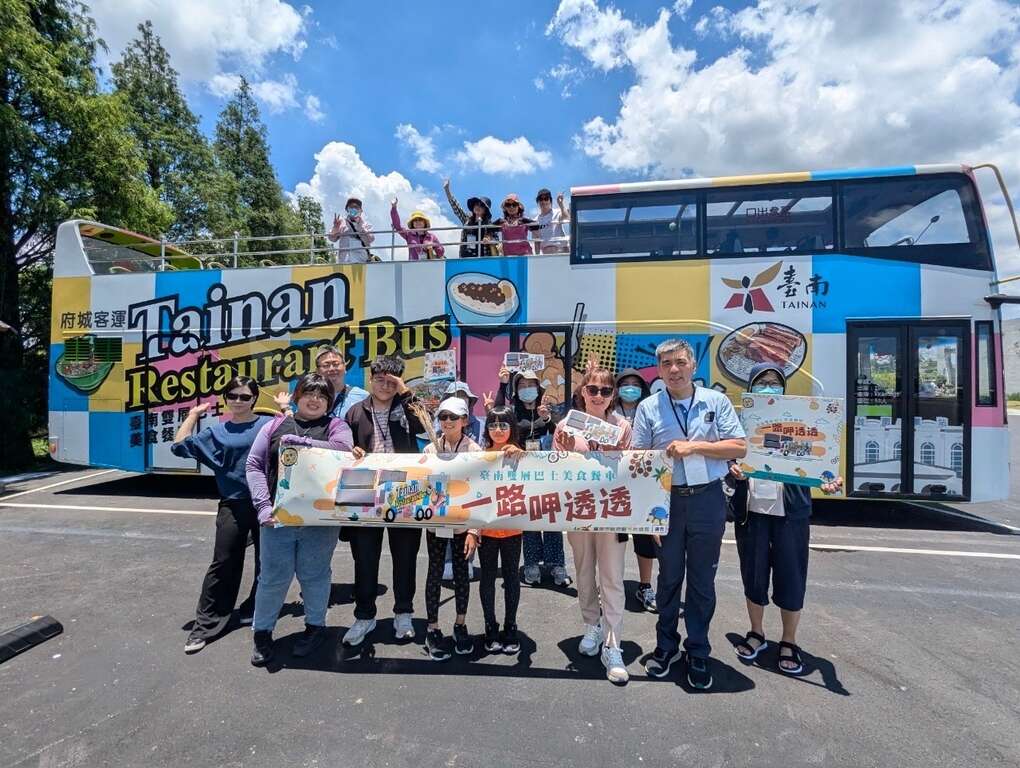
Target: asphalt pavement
[909, 630]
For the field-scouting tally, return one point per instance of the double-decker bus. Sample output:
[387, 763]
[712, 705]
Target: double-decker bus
[878, 286]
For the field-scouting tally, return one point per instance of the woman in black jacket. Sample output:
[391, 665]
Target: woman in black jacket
[480, 237]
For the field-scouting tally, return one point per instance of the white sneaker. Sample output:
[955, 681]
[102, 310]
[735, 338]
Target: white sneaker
[612, 660]
[359, 631]
[403, 629]
[592, 639]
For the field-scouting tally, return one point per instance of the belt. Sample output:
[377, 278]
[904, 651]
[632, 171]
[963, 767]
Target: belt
[693, 490]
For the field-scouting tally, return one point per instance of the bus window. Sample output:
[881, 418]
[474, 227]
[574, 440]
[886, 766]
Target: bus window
[789, 218]
[645, 225]
[927, 218]
[984, 363]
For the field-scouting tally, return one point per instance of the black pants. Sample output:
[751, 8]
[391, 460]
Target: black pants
[366, 546]
[507, 550]
[234, 521]
[433, 582]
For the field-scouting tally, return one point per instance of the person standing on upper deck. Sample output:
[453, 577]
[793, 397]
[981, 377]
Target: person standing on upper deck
[699, 429]
[514, 227]
[352, 234]
[549, 236]
[479, 237]
[421, 243]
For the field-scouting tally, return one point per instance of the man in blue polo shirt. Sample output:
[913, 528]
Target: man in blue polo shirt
[331, 364]
[700, 431]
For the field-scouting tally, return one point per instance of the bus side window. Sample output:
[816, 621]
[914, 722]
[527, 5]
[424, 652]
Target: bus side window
[780, 218]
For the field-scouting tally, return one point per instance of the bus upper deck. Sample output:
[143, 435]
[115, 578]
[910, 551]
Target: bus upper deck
[868, 285]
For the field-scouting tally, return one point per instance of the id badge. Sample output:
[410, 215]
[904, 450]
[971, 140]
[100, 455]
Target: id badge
[443, 532]
[532, 445]
[765, 489]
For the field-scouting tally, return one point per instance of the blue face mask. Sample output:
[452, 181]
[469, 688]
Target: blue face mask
[630, 393]
[528, 394]
[353, 212]
[767, 389]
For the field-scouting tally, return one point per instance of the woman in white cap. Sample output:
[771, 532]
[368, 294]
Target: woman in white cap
[453, 419]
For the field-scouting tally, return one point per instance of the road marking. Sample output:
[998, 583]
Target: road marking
[907, 551]
[55, 485]
[108, 509]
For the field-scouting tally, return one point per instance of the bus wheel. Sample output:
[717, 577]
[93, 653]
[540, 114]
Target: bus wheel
[428, 513]
[418, 514]
[391, 515]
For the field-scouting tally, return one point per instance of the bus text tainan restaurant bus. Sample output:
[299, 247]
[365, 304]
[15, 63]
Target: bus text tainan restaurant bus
[878, 286]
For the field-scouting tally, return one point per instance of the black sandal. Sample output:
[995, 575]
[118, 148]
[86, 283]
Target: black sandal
[762, 645]
[793, 656]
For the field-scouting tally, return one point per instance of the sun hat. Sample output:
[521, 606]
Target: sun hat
[460, 386]
[512, 198]
[418, 215]
[483, 201]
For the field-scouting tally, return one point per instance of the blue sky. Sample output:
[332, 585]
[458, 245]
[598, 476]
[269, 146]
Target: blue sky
[510, 97]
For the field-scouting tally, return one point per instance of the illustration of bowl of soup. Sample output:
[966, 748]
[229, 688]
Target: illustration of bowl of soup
[477, 298]
[79, 367]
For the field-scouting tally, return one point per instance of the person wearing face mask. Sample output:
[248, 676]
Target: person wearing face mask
[632, 389]
[352, 234]
[536, 422]
[772, 532]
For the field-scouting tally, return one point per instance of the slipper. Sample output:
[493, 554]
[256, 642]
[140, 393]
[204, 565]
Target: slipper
[762, 645]
[793, 655]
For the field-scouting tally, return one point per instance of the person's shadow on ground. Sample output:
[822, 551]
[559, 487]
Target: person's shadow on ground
[768, 660]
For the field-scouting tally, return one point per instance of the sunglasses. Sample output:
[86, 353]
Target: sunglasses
[592, 390]
[499, 426]
[449, 417]
[230, 396]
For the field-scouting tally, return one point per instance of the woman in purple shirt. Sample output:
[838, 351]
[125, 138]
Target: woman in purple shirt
[288, 551]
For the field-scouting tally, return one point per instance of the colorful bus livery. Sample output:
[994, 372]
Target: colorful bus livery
[842, 278]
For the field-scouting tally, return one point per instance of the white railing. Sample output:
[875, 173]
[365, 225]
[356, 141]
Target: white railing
[317, 248]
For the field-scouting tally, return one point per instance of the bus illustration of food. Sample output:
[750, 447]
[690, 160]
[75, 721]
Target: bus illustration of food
[401, 495]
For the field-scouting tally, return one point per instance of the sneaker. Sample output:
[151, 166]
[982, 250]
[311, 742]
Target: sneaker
[358, 632]
[646, 596]
[532, 575]
[698, 674]
[612, 660]
[436, 645]
[245, 619]
[509, 641]
[493, 640]
[592, 640]
[560, 576]
[263, 651]
[463, 644]
[448, 571]
[403, 628]
[194, 643]
[660, 661]
[310, 640]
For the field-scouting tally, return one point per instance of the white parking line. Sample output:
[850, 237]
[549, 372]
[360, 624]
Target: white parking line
[26, 505]
[908, 551]
[55, 485]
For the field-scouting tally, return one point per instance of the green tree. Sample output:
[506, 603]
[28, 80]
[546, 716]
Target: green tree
[65, 151]
[310, 212]
[179, 163]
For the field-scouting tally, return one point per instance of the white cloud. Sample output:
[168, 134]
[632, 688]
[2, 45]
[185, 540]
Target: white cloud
[599, 34]
[313, 109]
[680, 7]
[223, 85]
[539, 83]
[492, 155]
[341, 173]
[277, 95]
[206, 38]
[423, 147]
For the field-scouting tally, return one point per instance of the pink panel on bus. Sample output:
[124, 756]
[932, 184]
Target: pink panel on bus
[987, 416]
[484, 359]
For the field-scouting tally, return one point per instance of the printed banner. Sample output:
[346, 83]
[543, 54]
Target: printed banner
[792, 439]
[623, 492]
[523, 361]
[592, 428]
[440, 366]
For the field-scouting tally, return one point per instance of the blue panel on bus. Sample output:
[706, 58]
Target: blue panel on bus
[860, 287]
[189, 286]
[62, 396]
[862, 173]
[110, 442]
[487, 291]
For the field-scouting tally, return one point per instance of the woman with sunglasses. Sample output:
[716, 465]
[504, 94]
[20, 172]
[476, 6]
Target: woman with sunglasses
[305, 551]
[601, 552]
[500, 547]
[514, 227]
[453, 420]
[223, 447]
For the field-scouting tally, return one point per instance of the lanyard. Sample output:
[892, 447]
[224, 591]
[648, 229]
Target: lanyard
[685, 409]
[455, 450]
[341, 398]
[379, 427]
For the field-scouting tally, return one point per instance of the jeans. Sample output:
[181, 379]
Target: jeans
[691, 549]
[234, 521]
[543, 547]
[304, 551]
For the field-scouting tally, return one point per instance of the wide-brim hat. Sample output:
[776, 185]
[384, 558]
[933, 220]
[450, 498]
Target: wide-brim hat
[418, 215]
[532, 375]
[460, 386]
[483, 201]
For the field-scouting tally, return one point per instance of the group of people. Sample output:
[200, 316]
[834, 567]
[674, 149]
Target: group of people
[696, 426]
[510, 234]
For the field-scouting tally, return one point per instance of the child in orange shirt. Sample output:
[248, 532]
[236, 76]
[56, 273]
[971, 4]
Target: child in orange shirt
[501, 546]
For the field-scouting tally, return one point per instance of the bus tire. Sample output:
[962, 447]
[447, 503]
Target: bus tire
[428, 513]
[418, 514]
[391, 515]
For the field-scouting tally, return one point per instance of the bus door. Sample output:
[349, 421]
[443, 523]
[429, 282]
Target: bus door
[908, 398]
[482, 349]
